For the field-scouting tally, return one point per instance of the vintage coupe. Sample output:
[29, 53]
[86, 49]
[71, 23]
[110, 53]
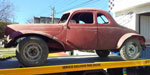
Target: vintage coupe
[78, 29]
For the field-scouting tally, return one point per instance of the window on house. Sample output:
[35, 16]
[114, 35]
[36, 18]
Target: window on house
[82, 18]
[101, 19]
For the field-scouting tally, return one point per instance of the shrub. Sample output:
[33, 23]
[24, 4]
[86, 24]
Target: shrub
[2, 28]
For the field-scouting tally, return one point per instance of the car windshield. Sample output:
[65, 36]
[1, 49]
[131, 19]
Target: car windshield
[64, 18]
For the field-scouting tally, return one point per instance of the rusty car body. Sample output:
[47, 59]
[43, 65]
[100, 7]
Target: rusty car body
[78, 29]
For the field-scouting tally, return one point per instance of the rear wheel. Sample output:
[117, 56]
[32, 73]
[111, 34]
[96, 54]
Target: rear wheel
[131, 49]
[102, 53]
[32, 51]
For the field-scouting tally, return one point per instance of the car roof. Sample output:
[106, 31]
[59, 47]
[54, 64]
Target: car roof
[85, 9]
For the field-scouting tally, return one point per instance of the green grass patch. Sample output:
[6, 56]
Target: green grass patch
[7, 53]
[2, 47]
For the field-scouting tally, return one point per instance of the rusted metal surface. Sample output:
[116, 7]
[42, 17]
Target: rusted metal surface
[79, 36]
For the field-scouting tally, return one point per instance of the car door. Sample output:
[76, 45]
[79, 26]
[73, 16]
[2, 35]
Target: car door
[82, 31]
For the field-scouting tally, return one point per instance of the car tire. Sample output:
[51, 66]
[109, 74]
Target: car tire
[102, 53]
[131, 49]
[32, 51]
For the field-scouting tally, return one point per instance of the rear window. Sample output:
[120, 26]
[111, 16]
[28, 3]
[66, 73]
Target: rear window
[101, 19]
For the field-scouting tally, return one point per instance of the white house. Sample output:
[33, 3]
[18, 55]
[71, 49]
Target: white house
[134, 14]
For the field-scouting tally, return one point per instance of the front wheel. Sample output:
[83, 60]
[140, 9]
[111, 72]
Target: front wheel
[32, 51]
[131, 49]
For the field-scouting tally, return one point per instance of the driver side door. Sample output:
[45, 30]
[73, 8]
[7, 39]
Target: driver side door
[82, 31]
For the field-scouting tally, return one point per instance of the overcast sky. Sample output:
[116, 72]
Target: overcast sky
[27, 9]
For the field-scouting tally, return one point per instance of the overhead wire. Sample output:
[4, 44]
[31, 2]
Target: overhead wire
[52, 4]
[69, 2]
[78, 5]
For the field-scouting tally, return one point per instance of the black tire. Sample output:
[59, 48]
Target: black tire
[131, 49]
[32, 51]
[102, 53]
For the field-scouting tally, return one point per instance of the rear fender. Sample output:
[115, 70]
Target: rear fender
[140, 38]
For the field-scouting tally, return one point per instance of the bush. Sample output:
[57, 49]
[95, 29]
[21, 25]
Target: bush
[2, 28]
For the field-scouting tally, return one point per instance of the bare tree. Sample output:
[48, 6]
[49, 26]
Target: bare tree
[6, 9]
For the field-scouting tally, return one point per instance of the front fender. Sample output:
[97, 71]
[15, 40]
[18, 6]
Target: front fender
[20, 33]
[128, 35]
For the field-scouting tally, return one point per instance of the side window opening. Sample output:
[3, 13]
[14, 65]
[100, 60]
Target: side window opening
[101, 19]
[82, 18]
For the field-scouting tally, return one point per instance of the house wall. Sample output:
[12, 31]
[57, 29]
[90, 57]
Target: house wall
[133, 14]
[45, 20]
[126, 19]
[129, 17]
[120, 5]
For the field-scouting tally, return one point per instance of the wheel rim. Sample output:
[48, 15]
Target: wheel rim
[32, 52]
[132, 49]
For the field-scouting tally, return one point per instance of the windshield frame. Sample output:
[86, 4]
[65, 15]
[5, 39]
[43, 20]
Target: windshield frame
[63, 17]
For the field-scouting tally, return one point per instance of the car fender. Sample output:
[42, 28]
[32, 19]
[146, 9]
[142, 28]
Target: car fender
[26, 32]
[126, 36]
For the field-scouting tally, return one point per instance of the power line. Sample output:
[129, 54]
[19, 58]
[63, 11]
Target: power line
[69, 3]
[58, 2]
[72, 2]
[76, 6]
[81, 4]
